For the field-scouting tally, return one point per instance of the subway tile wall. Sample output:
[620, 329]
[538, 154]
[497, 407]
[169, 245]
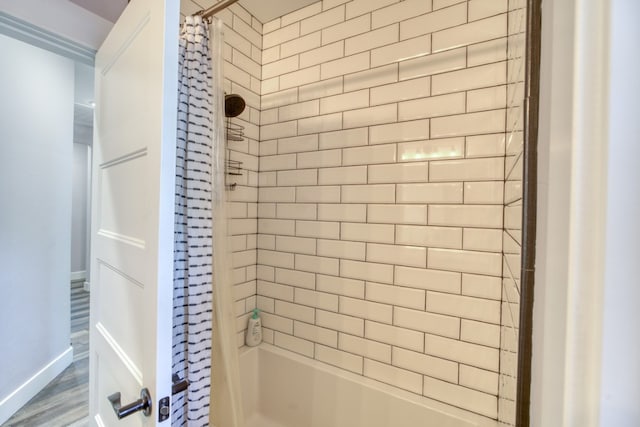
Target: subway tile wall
[242, 51]
[512, 230]
[386, 183]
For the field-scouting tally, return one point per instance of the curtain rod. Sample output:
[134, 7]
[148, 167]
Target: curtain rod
[208, 13]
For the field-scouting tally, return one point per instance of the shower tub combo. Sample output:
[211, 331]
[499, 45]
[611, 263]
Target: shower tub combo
[283, 389]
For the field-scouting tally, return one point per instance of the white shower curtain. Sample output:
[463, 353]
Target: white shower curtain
[202, 297]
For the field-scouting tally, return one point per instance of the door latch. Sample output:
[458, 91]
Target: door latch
[143, 404]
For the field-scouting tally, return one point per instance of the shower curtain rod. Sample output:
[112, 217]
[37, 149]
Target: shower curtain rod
[208, 13]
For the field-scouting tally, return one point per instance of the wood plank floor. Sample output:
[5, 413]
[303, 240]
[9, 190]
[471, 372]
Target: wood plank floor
[64, 402]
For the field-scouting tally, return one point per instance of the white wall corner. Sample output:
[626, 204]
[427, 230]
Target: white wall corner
[17, 398]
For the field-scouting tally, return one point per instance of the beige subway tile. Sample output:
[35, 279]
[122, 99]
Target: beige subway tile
[341, 286]
[396, 295]
[299, 110]
[320, 159]
[315, 333]
[465, 261]
[443, 281]
[346, 29]
[435, 21]
[474, 32]
[479, 379]
[378, 233]
[371, 78]
[323, 54]
[366, 271]
[318, 229]
[397, 214]
[391, 375]
[359, 7]
[318, 194]
[399, 12]
[295, 245]
[300, 44]
[294, 344]
[487, 52]
[481, 286]
[297, 144]
[483, 239]
[487, 99]
[469, 78]
[399, 132]
[468, 124]
[349, 64]
[399, 337]
[272, 194]
[344, 102]
[411, 256]
[324, 123]
[372, 39]
[435, 63]
[486, 169]
[426, 365]
[485, 145]
[464, 307]
[462, 397]
[427, 322]
[378, 193]
[340, 322]
[409, 89]
[342, 212]
[275, 259]
[366, 309]
[315, 264]
[305, 12]
[298, 279]
[344, 138]
[276, 226]
[485, 216]
[295, 311]
[401, 51]
[278, 99]
[343, 175]
[322, 20]
[439, 237]
[280, 67]
[370, 116]
[297, 177]
[321, 89]
[273, 290]
[469, 354]
[369, 155]
[277, 323]
[431, 149]
[300, 77]
[433, 106]
[480, 333]
[450, 192]
[397, 173]
[363, 347]
[296, 211]
[342, 249]
[278, 130]
[341, 359]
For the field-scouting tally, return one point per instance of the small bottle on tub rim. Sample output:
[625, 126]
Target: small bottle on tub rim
[254, 330]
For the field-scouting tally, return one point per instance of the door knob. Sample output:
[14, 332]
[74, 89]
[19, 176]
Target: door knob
[143, 404]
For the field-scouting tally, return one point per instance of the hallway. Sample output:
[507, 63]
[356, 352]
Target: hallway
[65, 400]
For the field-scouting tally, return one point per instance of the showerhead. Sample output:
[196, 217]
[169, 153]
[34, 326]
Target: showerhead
[233, 105]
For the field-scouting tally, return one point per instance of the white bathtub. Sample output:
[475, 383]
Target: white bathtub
[283, 389]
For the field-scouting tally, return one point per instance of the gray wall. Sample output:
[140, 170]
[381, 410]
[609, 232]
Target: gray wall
[79, 198]
[36, 130]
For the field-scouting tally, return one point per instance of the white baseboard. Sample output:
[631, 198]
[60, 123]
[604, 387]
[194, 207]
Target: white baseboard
[78, 275]
[17, 398]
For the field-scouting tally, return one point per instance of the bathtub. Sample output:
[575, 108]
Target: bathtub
[283, 389]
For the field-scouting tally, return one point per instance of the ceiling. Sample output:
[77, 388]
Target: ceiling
[109, 9]
[267, 10]
[263, 10]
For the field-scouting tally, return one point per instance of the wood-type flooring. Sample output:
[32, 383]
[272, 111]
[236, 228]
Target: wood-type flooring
[64, 402]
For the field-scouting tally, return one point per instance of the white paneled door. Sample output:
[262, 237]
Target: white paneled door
[133, 214]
